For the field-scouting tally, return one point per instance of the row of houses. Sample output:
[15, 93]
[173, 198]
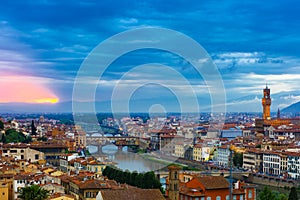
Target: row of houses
[75, 163]
[76, 178]
[284, 163]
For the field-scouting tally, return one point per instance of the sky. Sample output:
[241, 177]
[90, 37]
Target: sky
[43, 44]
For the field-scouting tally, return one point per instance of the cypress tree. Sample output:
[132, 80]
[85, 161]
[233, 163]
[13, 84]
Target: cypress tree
[33, 128]
[293, 194]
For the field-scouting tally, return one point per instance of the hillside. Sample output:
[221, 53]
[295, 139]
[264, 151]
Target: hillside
[293, 108]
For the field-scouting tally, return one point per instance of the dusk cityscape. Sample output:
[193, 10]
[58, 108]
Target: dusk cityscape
[149, 100]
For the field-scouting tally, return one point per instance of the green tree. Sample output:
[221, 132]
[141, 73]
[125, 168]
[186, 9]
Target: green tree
[132, 179]
[43, 138]
[268, 194]
[293, 194]
[139, 180]
[33, 192]
[106, 171]
[11, 135]
[149, 180]
[1, 125]
[238, 159]
[127, 175]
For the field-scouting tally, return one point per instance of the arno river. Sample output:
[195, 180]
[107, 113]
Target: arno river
[127, 160]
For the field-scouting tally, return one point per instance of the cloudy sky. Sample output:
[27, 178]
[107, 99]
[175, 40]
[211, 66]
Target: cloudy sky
[43, 44]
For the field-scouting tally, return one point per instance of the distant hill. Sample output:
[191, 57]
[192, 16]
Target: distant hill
[294, 108]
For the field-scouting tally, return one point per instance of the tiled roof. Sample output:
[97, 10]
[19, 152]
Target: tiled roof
[6, 175]
[213, 182]
[132, 194]
[92, 184]
[57, 195]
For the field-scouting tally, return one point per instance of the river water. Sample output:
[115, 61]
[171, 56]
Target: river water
[127, 160]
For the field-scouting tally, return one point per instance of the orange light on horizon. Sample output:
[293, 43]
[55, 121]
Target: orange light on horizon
[47, 100]
[25, 89]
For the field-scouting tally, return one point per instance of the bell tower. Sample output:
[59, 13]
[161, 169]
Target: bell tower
[173, 189]
[266, 103]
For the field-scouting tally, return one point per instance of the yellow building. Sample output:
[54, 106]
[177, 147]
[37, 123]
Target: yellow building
[179, 150]
[4, 194]
[197, 152]
[201, 153]
[6, 187]
[96, 167]
[87, 189]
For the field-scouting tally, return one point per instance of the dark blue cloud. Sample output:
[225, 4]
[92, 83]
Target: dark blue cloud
[57, 35]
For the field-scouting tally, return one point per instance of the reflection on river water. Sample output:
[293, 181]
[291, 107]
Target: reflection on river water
[127, 160]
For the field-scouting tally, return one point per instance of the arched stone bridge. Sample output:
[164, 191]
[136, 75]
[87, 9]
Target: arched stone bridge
[100, 141]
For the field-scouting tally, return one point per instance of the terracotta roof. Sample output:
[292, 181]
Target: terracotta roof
[132, 194]
[92, 184]
[197, 146]
[238, 191]
[6, 175]
[23, 177]
[213, 182]
[56, 195]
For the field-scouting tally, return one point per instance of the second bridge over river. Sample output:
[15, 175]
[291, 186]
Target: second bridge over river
[120, 141]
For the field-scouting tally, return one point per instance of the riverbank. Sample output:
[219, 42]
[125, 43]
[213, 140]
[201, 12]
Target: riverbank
[162, 161]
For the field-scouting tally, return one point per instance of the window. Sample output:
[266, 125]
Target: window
[208, 198]
[87, 194]
[234, 197]
[227, 197]
[250, 194]
[218, 198]
[202, 198]
[36, 156]
[241, 197]
[22, 151]
[22, 157]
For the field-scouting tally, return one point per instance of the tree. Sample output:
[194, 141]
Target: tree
[1, 125]
[238, 159]
[43, 138]
[268, 194]
[11, 135]
[33, 192]
[133, 176]
[139, 180]
[146, 180]
[33, 128]
[293, 194]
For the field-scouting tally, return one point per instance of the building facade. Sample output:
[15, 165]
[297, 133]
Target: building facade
[271, 163]
[223, 156]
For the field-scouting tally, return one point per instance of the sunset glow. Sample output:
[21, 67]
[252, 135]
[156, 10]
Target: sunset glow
[25, 89]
